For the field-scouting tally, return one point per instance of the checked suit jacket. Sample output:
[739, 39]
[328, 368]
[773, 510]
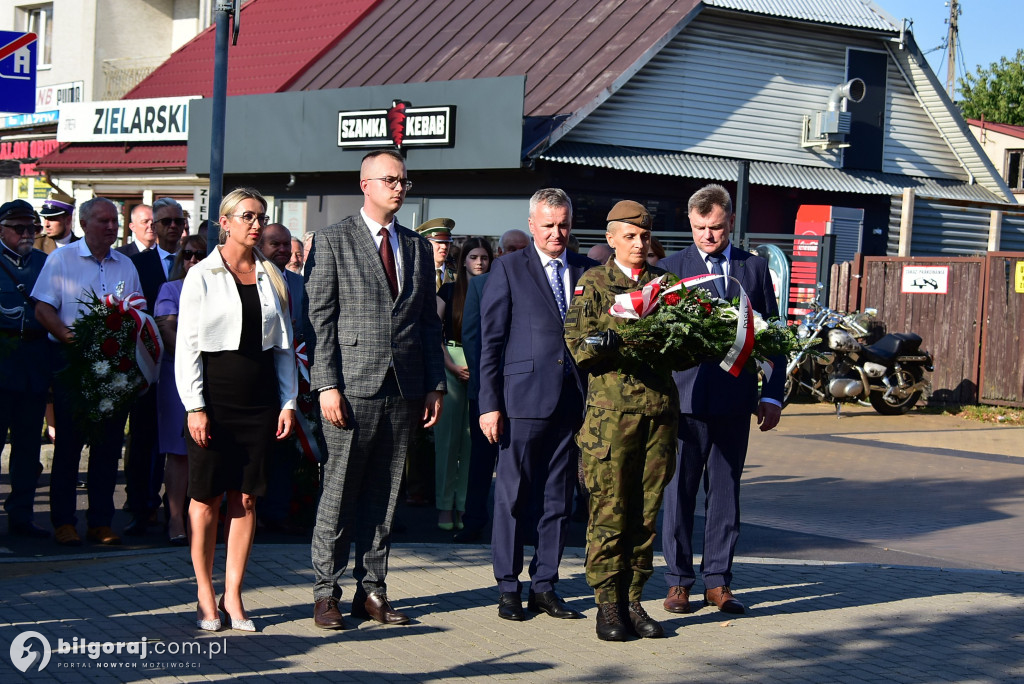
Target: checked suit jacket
[707, 389]
[354, 331]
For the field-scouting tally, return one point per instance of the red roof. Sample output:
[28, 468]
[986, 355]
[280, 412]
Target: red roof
[159, 156]
[1006, 129]
[278, 39]
[573, 52]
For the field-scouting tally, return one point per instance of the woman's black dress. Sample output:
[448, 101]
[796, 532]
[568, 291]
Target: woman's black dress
[243, 403]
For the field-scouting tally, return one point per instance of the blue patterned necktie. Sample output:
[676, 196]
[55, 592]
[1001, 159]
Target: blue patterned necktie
[555, 280]
[716, 268]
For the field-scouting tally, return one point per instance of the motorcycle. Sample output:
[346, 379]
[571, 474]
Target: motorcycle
[887, 375]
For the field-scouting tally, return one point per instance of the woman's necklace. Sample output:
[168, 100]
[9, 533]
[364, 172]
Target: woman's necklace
[240, 272]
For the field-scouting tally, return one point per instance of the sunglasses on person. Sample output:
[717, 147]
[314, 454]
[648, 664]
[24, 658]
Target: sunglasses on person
[168, 220]
[23, 229]
[190, 254]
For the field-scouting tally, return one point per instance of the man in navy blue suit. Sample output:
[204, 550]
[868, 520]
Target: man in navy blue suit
[531, 405]
[715, 409]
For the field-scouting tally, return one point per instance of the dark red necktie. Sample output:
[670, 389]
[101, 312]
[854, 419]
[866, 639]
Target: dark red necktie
[387, 257]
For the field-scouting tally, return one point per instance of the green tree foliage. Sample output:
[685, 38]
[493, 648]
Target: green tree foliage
[996, 92]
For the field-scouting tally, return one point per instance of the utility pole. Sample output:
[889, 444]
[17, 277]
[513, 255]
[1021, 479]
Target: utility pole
[951, 43]
[223, 11]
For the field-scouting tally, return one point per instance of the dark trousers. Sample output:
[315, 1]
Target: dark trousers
[104, 453]
[361, 477]
[712, 449]
[532, 495]
[141, 455]
[482, 457]
[21, 414]
[281, 464]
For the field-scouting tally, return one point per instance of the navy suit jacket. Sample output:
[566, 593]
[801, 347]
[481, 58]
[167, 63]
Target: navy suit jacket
[519, 321]
[471, 333]
[151, 275]
[707, 389]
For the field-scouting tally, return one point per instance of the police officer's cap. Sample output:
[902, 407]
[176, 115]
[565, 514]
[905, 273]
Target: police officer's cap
[437, 229]
[630, 212]
[17, 209]
[57, 204]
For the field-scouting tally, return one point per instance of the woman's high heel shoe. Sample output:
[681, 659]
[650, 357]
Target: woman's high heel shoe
[207, 625]
[245, 625]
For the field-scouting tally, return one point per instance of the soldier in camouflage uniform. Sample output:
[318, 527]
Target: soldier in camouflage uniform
[628, 438]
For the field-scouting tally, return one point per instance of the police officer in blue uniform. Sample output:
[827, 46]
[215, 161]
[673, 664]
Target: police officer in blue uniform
[24, 362]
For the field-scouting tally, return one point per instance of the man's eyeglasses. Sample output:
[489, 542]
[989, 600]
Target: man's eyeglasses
[168, 220]
[29, 229]
[394, 181]
[251, 218]
[190, 254]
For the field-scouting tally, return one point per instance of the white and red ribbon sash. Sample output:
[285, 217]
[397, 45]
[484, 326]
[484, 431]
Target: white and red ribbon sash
[303, 430]
[135, 306]
[637, 304]
[738, 354]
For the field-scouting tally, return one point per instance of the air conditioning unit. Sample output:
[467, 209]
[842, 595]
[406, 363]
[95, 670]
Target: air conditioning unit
[827, 129]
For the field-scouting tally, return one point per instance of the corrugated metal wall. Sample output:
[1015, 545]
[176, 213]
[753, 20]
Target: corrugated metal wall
[737, 87]
[940, 228]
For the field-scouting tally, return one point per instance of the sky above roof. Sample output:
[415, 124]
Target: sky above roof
[988, 29]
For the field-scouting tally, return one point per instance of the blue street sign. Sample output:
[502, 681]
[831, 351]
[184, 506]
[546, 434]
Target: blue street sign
[18, 72]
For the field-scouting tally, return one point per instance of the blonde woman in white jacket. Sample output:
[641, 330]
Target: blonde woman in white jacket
[235, 370]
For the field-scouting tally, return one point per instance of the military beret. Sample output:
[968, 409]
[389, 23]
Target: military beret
[17, 209]
[58, 203]
[437, 229]
[630, 212]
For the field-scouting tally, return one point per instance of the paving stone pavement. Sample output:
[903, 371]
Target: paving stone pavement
[807, 622]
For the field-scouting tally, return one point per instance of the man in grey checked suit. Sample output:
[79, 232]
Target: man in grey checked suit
[374, 343]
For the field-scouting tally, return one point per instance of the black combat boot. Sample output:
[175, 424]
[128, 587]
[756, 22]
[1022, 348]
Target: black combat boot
[609, 623]
[643, 624]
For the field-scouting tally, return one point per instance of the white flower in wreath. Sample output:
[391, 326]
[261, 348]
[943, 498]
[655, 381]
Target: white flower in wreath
[119, 383]
[105, 406]
[100, 368]
[759, 323]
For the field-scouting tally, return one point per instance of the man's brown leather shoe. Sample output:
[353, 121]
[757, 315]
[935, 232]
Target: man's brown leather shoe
[326, 614]
[723, 598]
[376, 607]
[678, 600]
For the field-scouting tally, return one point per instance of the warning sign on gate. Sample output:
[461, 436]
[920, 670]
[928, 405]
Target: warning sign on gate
[925, 280]
[1018, 280]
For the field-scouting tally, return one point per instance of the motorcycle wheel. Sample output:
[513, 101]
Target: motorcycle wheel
[895, 406]
[790, 389]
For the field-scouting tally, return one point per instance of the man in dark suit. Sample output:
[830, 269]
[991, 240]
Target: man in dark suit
[143, 469]
[531, 404]
[141, 225]
[374, 343]
[715, 408]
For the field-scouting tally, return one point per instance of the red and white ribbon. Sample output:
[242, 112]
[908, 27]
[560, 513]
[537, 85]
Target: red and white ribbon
[639, 303]
[145, 328]
[303, 430]
[738, 354]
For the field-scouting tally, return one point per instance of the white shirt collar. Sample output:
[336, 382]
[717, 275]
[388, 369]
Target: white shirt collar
[374, 226]
[725, 253]
[545, 259]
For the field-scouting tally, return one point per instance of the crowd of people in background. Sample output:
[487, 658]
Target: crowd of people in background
[435, 369]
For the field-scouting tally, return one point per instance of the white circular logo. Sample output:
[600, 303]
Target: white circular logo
[23, 657]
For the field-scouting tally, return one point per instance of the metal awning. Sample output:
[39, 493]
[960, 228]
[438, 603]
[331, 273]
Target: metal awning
[761, 173]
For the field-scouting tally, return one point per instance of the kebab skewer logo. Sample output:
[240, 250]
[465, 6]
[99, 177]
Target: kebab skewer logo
[401, 125]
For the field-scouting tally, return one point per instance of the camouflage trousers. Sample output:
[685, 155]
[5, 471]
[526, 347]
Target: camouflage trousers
[628, 459]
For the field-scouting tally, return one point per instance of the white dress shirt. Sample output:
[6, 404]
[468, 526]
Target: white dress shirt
[545, 260]
[210, 320]
[71, 272]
